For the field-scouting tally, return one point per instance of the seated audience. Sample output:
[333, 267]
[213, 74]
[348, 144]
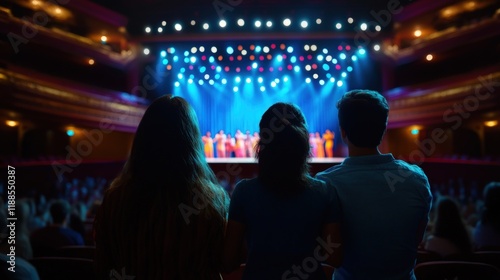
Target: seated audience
[487, 231]
[47, 240]
[449, 236]
[164, 215]
[284, 214]
[382, 203]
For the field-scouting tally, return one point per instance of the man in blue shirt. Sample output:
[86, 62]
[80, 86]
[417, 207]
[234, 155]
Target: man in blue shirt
[382, 204]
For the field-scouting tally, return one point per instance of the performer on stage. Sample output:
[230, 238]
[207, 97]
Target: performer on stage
[248, 144]
[220, 141]
[255, 141]
[208, 146]
[229, 145]
[313, 144]
[329, 136]
[319, 146]
[239, 148]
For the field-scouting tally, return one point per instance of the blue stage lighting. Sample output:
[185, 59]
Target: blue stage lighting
[186, 53]
[200, 82]
[248, 80]
[308, 80]
[217, 76]
[328, 75]
[349, 69]
[222, 23]
[262, 88]
[254, 65]
[163, 53]
[177, 84]
[344, 74]
[186, 60]
[257, 49]
[207, 76]
[273, 84]
[354, 58]
[342, 56]
[321, 82]
[296, 68]
[287, 22]
[218, 69]
[223, 81]
[289, 49]
[362, 51]
[193, 59]
[172, 50]
[191, 76]
[180, 76]
[293, 59]
[258, 23]
[332, 80]
[340, 83]
[182, 70]
[203, 69]
[279, 58]
[237, 79]
[335, 61]
[229, 50]
[235, 89]
[165, 61]
[211, 59]
[320, 57]
[176, 58]
[211, 82]
[414, 131]
[285, 79]
[260, 80]
[326, 67]
[70, 132]
[277, 80]
[303, 24]
[190, 81]
[338, 25]
[325, 51]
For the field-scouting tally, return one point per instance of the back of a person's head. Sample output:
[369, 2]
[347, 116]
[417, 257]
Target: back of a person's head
[449, 224]
[283, 147]
[491, 213]
[59, 211]
[363, 116]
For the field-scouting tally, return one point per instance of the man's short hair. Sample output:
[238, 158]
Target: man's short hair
[59, 210]
[363, 116]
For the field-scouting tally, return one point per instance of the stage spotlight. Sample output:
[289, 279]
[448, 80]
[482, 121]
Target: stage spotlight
[293, 59]
[326, 67]
[287, 22]
[314, 48]
[163, 53]
[244, 52]
[193, 59]
[147, 29]
[201, 82]
[207, 76]
[259, 79]
[342, 56]
[308, 67]
[160, 29]
[325, 51]
[315, 76]
[361, 51]
[262, 88]
[211, 59]
[277, 80]
[350, 20]
[194, 49]
[190, 81]
[269, 23]
[177, 84]
[171, 50]
[273, 84]
[254, 65]
[180, 76]
[303, 24]
[235, 89]
[306, 47]
[223, 81]
[146, 51]
[222, 23]
[70, 132]
[176, 58]
[265, 49]
[218, 69]
[289, 49]
[178, 27]
[205, 26]
[429, 57]
[237, 79]
[213, 49]
[241, 22]
[378, 28]
[229, 50]
[165, 61]
[321, 82]
[258, 23]
[318, 21]
[354, 58]
[338, 25]
[217, 76]
[332, 80]
[376, 47]
[320, 57]
[334, 61]
[201, 49]
[203, 69]
[248, 80]
[363, 26]
[328, 58]
[349, 69]
[344, 74]
[193, 22]
[285, 79]
[211, 82]
[163, 23]
[186, 53]
[182, 70]
[296, 68]
[340, 83]
[308, 80]
[279, 58]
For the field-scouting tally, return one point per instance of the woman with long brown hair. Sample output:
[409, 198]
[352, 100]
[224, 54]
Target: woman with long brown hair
[164, 215]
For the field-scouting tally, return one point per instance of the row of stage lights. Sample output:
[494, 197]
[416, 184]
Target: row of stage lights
[208, 65]
[259, 25]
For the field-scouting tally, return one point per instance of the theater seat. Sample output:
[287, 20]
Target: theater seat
[488, 257]
[451, 270]
[55, 268]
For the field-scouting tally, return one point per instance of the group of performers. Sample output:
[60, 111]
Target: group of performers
[243, 145]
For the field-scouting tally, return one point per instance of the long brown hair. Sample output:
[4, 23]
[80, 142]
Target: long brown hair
[164, 215]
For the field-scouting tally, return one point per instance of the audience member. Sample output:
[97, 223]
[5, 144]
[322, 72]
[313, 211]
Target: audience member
[382, 203]
[164, 215]
[487, 231]
[47, 240]
[283, 212]
[450, 236]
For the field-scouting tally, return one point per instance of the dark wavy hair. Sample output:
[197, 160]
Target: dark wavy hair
[164, 215]
[491, 212]
[283, 148]
[363, 116]
[449, 224]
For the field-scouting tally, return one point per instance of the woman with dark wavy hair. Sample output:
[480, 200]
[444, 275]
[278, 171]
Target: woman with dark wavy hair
[284, 212]
[487, 231]
[164, 215]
